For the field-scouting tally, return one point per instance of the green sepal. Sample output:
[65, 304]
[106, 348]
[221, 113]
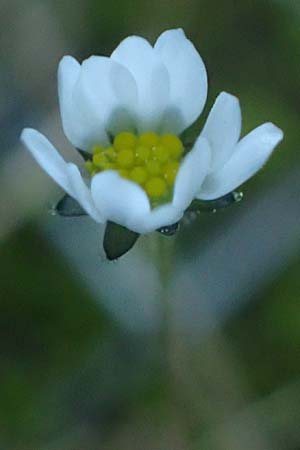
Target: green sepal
[118, 240]
[68, 207]
[169, 230]
[85, 155]
[215, 205]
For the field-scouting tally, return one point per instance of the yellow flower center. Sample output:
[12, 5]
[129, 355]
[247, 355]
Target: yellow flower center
[150, 160]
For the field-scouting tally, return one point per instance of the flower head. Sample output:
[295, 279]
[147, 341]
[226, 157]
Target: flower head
[127, 113]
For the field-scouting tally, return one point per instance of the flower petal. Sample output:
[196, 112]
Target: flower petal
[47, 157]
[160, 217]
[249, 156]
[66, 175]
[152, 79]
[191, 174]
[125, 203]
[188, 79]
[82, 193]
[80, 125]
[105, 91]
[223, 129]
[119, 200]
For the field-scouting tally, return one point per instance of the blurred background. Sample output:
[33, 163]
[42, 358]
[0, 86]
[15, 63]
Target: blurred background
[87, 360]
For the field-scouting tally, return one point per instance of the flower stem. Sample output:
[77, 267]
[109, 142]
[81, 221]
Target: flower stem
[170, 341]
[166, 258]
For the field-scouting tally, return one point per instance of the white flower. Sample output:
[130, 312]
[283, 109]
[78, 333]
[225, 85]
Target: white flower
[146, 96]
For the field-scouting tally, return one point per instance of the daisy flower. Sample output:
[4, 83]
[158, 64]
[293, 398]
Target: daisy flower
[126, 114]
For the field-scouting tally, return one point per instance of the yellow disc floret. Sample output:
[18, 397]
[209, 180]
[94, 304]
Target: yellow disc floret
[170, 171]
[142, 154]
[100, 160]
[173, 144]
[139, 175]
[125, 158]
[123, 173]
[148, 139]
[153, 168]
[91, 167]
[150, 160]
[160, 153]
[125, 140]
[156, 187]
[111, 153]
[97, 149]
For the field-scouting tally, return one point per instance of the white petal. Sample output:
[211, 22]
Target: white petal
[47, 157]
[119, 200]
[223, 129]
[66, 175]
[152, 79]
[82, 193]
[68, 72]
[191, 174]
[106, 94]
[124, 202]
[160, 217]
[250, 155]
[80, 125]
[188, 79]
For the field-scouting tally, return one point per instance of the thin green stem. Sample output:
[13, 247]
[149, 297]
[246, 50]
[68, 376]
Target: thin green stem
[165, 262]
[170, 343]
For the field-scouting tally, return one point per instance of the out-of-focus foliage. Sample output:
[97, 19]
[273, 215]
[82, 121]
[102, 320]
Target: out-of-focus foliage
[73, 375]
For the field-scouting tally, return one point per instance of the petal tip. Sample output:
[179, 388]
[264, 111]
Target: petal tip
[273, 132]
[66, 65]
[173, 32]
[179, 31]
[227, 97]
[28, 133]
[24, 133]
[67, 59]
